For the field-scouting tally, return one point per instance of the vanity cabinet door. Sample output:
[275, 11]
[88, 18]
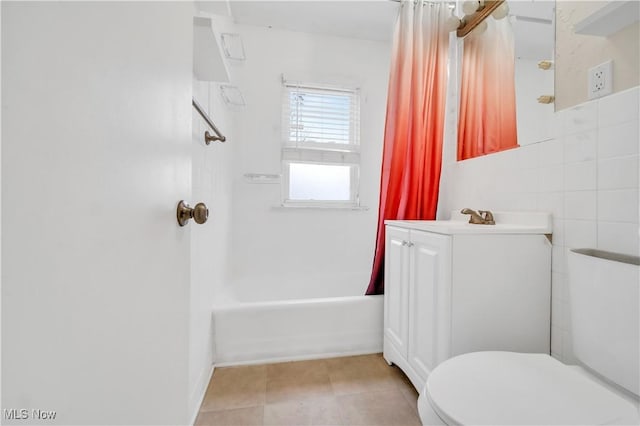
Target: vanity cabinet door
[396, 291]
[429, 301]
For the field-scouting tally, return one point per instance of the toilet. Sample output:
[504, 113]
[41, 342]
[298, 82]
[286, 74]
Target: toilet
[509, 388]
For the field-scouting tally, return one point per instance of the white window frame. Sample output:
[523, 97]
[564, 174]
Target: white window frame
[296, 151]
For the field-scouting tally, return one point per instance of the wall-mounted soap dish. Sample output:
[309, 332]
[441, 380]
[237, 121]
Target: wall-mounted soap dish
[231, 95]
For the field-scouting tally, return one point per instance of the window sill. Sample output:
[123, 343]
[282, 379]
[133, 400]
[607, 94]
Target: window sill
[318, 207]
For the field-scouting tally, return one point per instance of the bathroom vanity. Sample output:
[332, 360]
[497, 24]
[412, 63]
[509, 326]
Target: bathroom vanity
[452, 287]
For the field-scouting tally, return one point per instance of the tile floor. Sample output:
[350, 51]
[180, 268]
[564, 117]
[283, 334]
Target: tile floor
[356, 390]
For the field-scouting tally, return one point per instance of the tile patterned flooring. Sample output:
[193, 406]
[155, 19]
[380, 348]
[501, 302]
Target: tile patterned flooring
[356, 390]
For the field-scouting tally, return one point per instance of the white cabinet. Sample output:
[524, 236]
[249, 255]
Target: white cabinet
[429, 300]
[396, 297]
[449, 293]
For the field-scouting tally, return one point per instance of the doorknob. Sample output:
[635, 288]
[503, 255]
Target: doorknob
[199, 213]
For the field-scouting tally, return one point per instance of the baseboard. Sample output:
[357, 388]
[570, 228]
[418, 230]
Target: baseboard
[306, 357]
[199, 393]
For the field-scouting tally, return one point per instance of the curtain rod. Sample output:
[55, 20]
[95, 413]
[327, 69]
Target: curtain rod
[471, 21]
[428, 1]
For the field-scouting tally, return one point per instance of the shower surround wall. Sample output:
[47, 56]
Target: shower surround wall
[211, 184]
[296, 252]
[298, 275]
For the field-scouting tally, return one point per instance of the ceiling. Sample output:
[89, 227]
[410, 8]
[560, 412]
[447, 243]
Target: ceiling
[374, 19]
[371, 20]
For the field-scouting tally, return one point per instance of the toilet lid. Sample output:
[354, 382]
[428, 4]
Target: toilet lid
[516, 388]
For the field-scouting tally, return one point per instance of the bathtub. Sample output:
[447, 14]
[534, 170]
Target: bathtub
[288, 330]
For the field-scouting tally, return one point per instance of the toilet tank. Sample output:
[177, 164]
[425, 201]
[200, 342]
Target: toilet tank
[605, 319]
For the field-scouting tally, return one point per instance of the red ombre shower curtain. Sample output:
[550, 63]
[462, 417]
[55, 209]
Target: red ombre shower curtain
[488, 92]
[414, 127]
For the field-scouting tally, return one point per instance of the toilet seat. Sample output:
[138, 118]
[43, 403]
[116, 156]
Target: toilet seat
[518, 388]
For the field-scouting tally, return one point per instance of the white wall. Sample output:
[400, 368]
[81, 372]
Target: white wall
[576, 53]
[210, 242]
[96, 153]
[291, 253]
[587, 176]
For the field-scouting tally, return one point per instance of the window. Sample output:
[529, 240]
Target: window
[321, 150]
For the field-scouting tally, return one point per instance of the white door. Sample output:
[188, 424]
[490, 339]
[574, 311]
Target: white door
[429, 301]
[96, 153]
[396, 288]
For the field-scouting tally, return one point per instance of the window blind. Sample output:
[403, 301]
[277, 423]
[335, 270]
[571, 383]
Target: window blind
[318, 117]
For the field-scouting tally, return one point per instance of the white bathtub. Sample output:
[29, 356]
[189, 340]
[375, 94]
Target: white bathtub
[256, 332]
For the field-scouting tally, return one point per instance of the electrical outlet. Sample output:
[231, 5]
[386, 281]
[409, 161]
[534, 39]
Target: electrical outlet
[600, 80]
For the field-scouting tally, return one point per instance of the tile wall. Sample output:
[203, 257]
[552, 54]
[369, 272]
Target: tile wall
[586, 176]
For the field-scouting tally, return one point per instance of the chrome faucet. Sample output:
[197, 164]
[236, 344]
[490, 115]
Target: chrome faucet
[482, 217]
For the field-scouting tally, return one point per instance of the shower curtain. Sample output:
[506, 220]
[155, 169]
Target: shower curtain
[488, 92]
[412, 153]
